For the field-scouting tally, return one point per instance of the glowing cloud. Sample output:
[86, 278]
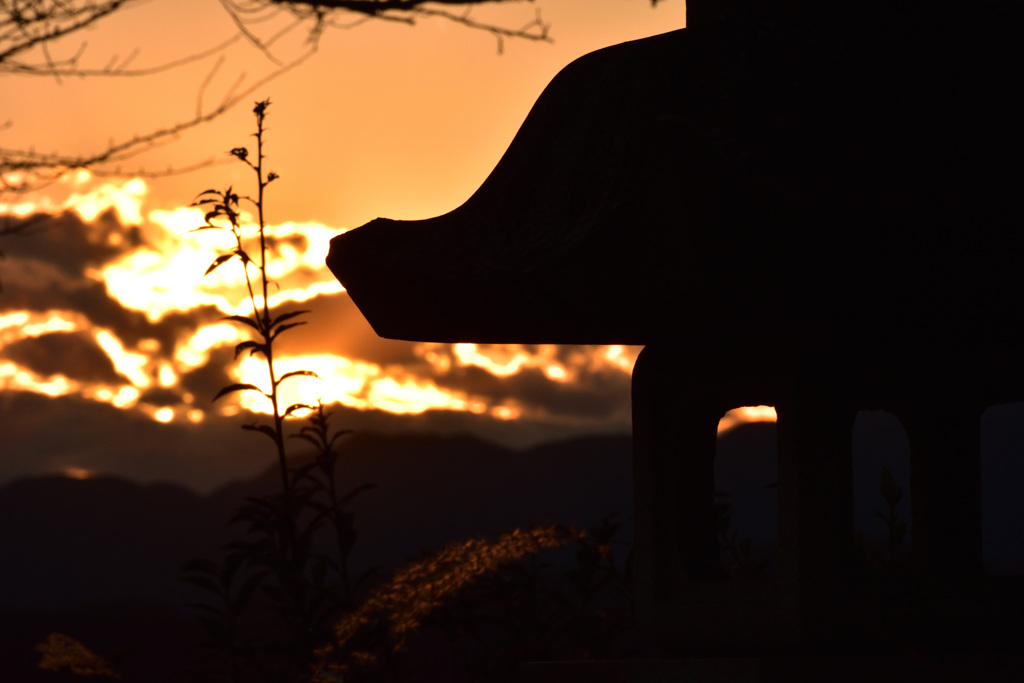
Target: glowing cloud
[80, 191]
[24, 324]
[194, 351]
[351, 383]
[16, 378]
[125, 198]
[131, 365]
[505, 360]
[162, 275]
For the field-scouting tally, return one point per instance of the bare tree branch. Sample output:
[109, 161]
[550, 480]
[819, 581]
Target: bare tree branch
[535, 30]
[28, 24]
[406, 11]
[243, 29]
[22, 170]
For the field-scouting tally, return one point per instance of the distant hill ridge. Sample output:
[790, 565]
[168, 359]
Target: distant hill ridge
[69, 542]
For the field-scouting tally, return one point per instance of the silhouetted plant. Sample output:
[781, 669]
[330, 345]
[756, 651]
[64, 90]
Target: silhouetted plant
[320, 474]
[892, 492]
[225, 206]
[896, 528]
[227, 648]
[596, 624]
[274, 568]
[735, 554]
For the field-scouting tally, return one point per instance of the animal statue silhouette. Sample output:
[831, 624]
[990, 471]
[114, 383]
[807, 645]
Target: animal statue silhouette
[816, 206]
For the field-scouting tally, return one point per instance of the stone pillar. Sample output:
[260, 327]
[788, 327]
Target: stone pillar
[816, 539]
[945, 489]
[674, 434]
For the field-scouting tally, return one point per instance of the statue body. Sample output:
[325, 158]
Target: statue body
[817, 209]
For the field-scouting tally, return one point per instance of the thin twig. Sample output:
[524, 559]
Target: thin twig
[244, 30]
[68, 66]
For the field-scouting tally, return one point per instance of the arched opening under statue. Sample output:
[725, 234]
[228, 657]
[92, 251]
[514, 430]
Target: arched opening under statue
[881, 488]
[746, 476]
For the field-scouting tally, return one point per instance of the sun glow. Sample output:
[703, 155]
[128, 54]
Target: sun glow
[744, 415]
[164, 415]
[79, 473]
[194, 351]
[620, 357]
[168, 276]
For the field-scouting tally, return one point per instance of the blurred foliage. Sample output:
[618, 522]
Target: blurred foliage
[64, 652]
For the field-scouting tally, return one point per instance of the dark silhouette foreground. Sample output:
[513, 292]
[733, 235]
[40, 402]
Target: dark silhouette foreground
[835, 186]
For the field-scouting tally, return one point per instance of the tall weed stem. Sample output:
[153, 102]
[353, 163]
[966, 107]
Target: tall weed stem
[224, 213]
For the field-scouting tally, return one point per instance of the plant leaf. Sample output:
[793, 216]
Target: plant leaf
[249, 587]
[286, 316]
[297, 406]
[251, 346]
[231, 388]
[339, 434]
[223, 258]
[264, 429]
[282, 328]
[295, 373]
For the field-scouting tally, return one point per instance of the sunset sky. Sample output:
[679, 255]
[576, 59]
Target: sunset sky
[111, 343]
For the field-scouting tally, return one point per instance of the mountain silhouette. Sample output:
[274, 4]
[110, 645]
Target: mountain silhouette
[71, 542]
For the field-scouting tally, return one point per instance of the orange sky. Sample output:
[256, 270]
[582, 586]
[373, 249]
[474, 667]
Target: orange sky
[385, 119]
